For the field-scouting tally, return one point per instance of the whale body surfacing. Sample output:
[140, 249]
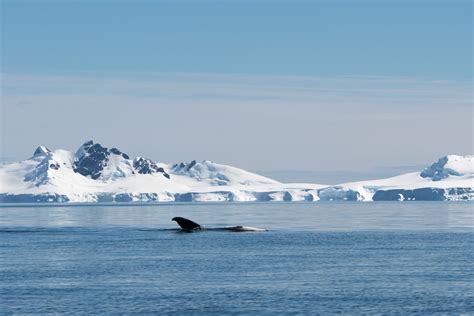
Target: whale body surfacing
[189, 225]
[244, 229]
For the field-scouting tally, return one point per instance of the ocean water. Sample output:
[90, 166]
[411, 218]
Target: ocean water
[316, 258]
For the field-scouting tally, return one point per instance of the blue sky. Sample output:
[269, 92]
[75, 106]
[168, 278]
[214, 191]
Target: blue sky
[266, 85]
[396, 38]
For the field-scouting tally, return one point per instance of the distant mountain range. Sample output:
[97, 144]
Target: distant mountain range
[98, 174]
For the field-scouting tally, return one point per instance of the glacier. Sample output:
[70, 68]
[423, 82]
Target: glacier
[96, 174]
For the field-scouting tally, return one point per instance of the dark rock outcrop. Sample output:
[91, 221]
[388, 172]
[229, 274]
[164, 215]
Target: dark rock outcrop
[437, 171]
[92, 160]
[147, 166]
[41, 150]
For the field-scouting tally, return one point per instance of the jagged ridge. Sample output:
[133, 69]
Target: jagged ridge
[97, 162]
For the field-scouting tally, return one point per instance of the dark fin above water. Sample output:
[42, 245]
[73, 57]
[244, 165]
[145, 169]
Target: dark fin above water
[186, 224]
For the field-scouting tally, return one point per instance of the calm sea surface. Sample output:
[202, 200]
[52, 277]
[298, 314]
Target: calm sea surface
[317, 258]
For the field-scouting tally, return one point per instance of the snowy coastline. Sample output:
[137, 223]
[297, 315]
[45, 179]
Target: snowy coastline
[95, 174]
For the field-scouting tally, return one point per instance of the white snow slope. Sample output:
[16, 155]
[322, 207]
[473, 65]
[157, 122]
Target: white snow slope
[97, 174]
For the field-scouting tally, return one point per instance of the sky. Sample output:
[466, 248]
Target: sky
[311, 89]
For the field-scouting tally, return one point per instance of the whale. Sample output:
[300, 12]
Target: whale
[186, 224]
[190, 226]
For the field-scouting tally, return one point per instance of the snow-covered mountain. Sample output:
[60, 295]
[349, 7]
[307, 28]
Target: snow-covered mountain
[457, 183]
[98, 174]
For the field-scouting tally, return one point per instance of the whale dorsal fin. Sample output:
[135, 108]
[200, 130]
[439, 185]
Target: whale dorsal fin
[186, 224]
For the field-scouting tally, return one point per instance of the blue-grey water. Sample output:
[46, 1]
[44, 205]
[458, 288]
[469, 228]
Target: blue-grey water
[317, 258]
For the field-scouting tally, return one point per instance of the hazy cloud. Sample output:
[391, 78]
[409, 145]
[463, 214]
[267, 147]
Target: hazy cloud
[256, 122]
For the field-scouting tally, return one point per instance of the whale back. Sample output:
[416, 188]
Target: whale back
[186, 224]
[244, 229]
